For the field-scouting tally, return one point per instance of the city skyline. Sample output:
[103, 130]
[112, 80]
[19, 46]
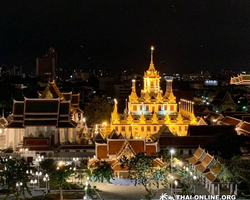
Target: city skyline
[188, 36]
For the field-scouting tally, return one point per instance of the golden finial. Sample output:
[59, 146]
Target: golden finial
[152, 52]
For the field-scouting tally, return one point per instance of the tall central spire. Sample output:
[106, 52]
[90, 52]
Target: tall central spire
[151, 66]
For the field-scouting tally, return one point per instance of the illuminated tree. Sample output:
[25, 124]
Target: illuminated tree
[14, 175]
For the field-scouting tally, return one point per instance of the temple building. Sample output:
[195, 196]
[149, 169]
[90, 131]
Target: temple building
[40, 123]
[145, 114]
[242, 79]
[115, 149]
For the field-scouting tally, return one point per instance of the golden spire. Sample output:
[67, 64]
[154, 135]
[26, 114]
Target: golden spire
[133, 96]
[159, 97]
[115, 116]
[147, 97]
[151, 66]
[167, 119]
[142, 119]
[171, 98]
[130, 119]
[179, 119]
[154, 119]
[193, 119]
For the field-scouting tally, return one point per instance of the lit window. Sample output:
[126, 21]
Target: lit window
[142, 128]
[135, 108]
[140, 107]
[147, 107]
[148, 128]
[116, 128]
[159, 107]
[179, 128]
[123, 128]
[171, 107]
[155, 128]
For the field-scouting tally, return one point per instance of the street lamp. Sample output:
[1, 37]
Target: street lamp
[194, 177]
[33, 182]
[86, 191]
[171, 152]
[175, 184]
[46, 179]
[38, 175]
[18, 185]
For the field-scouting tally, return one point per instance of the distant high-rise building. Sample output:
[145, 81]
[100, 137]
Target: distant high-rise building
[47, 64]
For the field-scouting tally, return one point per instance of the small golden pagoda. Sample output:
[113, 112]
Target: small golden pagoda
[149, 111]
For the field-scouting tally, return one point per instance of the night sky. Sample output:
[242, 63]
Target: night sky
[188, 35]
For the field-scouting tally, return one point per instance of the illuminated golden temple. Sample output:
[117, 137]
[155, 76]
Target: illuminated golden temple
[146, 114]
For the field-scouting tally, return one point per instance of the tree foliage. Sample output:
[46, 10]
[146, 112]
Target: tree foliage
[235, 171]
[226, 145]
[14, 176]
[98, 110]
[102, 171]
[58, 174]
[141, 170]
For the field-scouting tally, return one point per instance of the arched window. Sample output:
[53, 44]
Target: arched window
[134, 108]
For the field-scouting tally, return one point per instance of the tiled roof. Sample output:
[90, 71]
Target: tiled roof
[200, 167]
[216, 168]
[208, 158]
[114, 146]
[192, 160]
[101, 151]
[210, 177]
[198, 153]
[230, 121]
[150, 149]
[245, 126]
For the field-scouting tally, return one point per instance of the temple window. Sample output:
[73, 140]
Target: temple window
[148, 128]
[159, 107]
[165, 107]
[153, 109]
[152, 83]
[186, 128]
[181, 152]
[179, 128]
[155, 128]
[140, 107]
[130, 128]
[123, 128]
[116, 128]
[142, 128]
[171, 107]
[134, 108]
[189, 152]
[147, 107]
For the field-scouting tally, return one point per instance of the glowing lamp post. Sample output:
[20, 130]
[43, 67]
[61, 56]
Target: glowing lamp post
[38, 175]
[33, 182]
[46, 179]
[175, 184]
[171, 152]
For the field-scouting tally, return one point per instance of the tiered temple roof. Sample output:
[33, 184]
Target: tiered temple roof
[41, 112]
[114, 149]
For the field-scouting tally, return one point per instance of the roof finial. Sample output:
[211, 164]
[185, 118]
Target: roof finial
[152, 53]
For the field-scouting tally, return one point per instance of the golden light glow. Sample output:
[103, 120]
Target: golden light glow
[115, 101]
[152, 48]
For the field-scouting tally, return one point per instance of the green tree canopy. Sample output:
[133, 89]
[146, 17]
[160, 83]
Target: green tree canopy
[141, 170]
[14, 175]
[98, 111]
[102, 171]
